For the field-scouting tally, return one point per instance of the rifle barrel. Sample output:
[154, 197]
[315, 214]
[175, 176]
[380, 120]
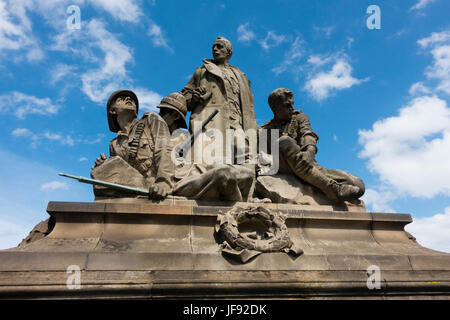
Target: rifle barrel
[188, 143]
[107, 184]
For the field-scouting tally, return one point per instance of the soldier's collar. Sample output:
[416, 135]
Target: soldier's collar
[211, 61]
[127, 132]
[281, 122]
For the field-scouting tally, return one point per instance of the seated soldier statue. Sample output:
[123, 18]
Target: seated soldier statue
[146, 145]
[297, 149]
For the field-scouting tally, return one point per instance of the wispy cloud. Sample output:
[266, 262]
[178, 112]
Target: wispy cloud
[109, 68]
[22, 132]
[267, 42]
[292, 56]
[16, 31]
[61, 71]
[419, 88]
[421, 4]
[435, 38]
[272, 40]
[111, 74]
[158, 36]
[439, 44]
[54, 185]
[148, 100]
[125, 10]
[245, 34]
[22, 105]
[318, 60]
[48, 136]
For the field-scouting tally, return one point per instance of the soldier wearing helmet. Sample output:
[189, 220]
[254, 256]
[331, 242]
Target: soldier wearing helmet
[145, 143]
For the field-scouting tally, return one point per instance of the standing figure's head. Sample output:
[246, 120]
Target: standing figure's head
[173, 109]
[122, 108]
[222, 50]
[281, 101]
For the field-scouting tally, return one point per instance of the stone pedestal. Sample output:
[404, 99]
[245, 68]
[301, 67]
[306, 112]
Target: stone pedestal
[137, 249]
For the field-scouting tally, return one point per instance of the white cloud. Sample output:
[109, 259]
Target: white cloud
[111, 74]
[54, 185]
[158, 36]
[61, 71]
[148, 100]
[320, 83]
[318, 60]
[292, 56]
[378, 201]
[22, 132]
[436, 37]
[98, 139]
[419, 88]
[324, 83]
[35, 54]
[421, 4]
[126, 10]
[441, 68]
[67, 140]
[16, 30]
[411, 151]
[272, 40]
[105, 55]
[36, 139]
[432, 232]
[245, 34]
[83, 159]
[22, 105]
[26, 133]
[439, 45]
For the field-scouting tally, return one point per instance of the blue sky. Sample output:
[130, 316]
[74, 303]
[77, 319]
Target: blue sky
[377, 98]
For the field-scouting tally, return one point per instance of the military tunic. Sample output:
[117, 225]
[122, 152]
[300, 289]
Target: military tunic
[298, 128]
[146, 147]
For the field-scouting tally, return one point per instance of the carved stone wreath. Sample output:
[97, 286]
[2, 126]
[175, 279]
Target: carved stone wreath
[249, 231]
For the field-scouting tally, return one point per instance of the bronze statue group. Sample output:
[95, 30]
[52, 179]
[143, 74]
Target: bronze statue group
[147, 144]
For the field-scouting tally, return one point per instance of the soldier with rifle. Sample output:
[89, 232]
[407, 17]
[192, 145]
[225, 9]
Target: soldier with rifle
[146, 145]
